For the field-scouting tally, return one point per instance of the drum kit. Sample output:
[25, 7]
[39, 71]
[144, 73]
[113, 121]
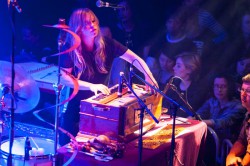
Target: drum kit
[25, 98]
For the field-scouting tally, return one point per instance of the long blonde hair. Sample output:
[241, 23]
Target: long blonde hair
[192, 62]
[77, 22]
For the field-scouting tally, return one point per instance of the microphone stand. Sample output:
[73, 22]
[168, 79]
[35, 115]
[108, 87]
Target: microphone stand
[186, 103]
[175, 106]
[13, 4]
[142, 108]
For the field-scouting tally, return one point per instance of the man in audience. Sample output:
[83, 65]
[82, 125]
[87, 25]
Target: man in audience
[222, 111]
[240, 152]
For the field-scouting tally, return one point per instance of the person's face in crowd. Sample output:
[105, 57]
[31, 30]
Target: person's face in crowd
[28, 36]
[246, 24]
[181, 70]
[220, 88]
[173, 25]
[125, 13]
[30, 41]
[245, 95]
[166, 63]
[243, 66]
[90, 29]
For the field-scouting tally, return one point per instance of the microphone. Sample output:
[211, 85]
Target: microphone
[119, 93]
[169, 84]
[100, 3]
[130, 78]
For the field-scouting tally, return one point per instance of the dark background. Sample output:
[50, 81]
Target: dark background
[49, 11]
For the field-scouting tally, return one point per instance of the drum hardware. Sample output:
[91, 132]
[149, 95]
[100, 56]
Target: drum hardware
[58, 87]
[40, 154]
[25, 99]
[27, 148]
[17, 96]
[21, 98]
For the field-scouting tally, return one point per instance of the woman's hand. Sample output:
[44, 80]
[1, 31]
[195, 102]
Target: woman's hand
[99, 88]
[152, 81]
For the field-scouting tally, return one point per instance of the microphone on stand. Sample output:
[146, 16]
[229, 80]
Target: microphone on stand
[130, 81]
[119, 92]
[100, 3]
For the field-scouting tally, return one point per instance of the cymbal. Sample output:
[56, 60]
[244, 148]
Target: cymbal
[26, 92]
[58, 26]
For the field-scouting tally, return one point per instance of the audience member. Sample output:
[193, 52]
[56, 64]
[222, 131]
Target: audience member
[222, 111]
[205, 31]
[31, 47]
[129, 30]
[239, 153]
[173, 37]
[200, 20]
[91, 63]
[240, 68]
[168, 44]
[187, 69]
[162, 67]
[239, 41]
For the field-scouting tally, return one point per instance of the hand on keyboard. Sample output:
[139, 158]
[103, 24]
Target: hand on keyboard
[99, 88]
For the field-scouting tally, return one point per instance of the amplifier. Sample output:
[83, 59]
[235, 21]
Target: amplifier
[119, 118]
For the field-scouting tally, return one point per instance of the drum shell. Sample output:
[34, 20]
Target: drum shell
[44, 159]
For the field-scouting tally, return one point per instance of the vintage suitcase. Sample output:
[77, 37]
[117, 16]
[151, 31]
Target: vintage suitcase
[119, 117]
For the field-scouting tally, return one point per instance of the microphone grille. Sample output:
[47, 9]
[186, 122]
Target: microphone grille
[99, 3]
